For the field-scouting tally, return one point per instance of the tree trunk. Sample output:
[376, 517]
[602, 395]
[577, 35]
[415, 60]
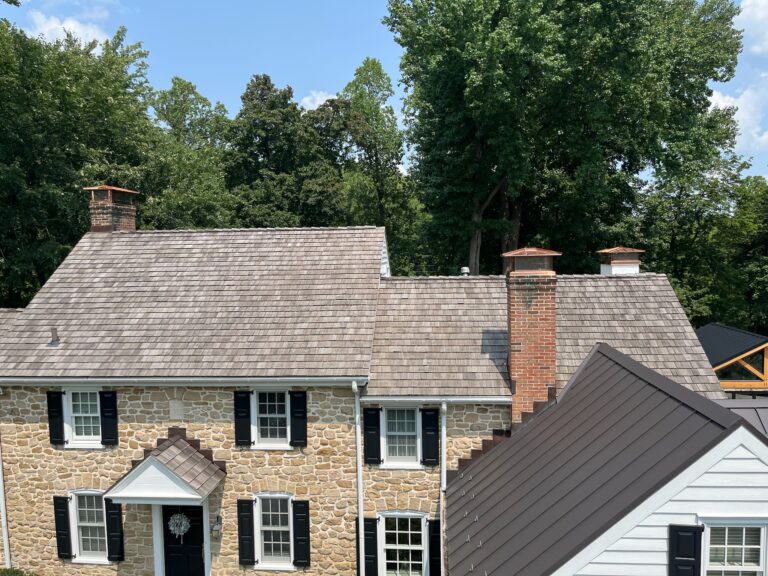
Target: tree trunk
[510, 240]
[477, 234]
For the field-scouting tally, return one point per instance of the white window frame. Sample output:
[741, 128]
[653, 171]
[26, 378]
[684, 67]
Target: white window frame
[71, 440]
[734, 523]
[270, 443]
[399, 464]
[277, 567]
[381, 536]
[74, 529]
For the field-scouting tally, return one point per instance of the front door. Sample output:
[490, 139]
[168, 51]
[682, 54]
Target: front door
[183, 552]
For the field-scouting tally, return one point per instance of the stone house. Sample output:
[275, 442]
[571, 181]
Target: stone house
[272, 400]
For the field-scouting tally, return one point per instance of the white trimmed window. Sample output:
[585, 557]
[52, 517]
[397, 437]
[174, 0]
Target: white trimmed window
[270, 424]
[274, 532]
[402, 544]
[82, 419]
[88, 526]
[401, 438]
[735, 551]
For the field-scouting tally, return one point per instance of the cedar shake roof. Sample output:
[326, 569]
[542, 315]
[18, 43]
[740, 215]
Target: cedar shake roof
[723, 343]
[448, 336]
[618, 433]
[189, 464]
[440, 336]
[204, 303]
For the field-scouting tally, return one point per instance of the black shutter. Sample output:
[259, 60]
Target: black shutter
[371, 546]
[245, 536]
[372, 435]
[301, 533]
[298, 418]
[108, 408]
[115, 548]
[435, 560]
[56, 417]
[430, 437]
[61, 518]
[685, 550]
[242, 418]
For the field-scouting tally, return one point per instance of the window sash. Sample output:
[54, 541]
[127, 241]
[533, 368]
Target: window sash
[84, 415]
[274, 529]
[271, 422]
[727, 550]
[90, 526]
[401, 556]
[401, 443]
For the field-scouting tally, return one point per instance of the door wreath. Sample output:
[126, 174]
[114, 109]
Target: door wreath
[178, 524]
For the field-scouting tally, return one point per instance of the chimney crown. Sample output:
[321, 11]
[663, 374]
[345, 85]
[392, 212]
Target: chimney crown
[619, 260]
[531, 261]
[112, 208]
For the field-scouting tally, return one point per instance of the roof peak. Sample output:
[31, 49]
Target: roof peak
[276, 229]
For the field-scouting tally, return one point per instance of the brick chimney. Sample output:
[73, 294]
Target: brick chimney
[531, 285]
[619, 261]
[112, 209]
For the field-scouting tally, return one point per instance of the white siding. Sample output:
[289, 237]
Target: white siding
[736, 486]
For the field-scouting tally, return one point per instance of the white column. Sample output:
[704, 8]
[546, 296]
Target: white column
[157, 539]
[207, 537]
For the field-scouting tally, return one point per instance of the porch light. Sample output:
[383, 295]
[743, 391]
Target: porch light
[216, 529]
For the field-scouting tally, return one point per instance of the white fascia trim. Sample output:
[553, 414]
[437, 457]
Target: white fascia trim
[324, 381]
[179, 500]
[418, 400]
[740, 436]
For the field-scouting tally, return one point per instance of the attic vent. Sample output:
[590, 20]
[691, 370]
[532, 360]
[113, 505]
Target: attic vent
[465, 270]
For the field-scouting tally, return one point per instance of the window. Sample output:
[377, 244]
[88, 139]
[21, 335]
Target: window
[82, 421]
[89, 544]
[402, 445]
[271, 428]
[273, 532]
[735, 551]
[404, 545]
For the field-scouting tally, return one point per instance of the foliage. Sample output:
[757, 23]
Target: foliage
[532, 121]
[14, 572]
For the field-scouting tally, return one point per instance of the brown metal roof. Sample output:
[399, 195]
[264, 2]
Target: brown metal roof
[620, 250]
[111, 188]
[618, 433]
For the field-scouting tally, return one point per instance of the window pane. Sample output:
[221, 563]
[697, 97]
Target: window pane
[734, 547]
[272, 416]
[717, 536]
[90, 525]
[403, 551]
[752, 536]
[85, 414]
[275, 533]
[401, 435]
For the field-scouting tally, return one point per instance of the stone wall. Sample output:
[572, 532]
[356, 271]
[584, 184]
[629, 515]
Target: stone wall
[323, 473]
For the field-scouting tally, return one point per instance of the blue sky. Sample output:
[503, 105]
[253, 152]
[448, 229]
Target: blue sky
[315, 46]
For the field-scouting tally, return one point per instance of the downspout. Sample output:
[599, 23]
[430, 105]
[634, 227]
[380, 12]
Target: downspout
[359, 465]
[4, 513]
[443, 481]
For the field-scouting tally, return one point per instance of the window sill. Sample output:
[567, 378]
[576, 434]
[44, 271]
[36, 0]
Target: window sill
[283, 447]
[84, 444]
[276, 567]
[401, 466]
[82, 560]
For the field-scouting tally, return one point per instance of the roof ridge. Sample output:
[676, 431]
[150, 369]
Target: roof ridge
[736, 329]
[420, 278]
[695, 401]
[267, 229]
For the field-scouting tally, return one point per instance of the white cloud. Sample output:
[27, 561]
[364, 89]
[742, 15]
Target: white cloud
[315, 98]
[751, 107]
[53, 28]
[754, 20]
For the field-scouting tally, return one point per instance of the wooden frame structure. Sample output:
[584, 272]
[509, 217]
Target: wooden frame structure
[747, 385]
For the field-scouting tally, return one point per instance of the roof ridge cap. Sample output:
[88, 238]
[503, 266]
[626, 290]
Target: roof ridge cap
[274, 229]
[736, 329]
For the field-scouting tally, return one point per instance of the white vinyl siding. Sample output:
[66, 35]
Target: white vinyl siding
[731, 493]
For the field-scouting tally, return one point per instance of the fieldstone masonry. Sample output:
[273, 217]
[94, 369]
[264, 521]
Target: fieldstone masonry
[323, 473]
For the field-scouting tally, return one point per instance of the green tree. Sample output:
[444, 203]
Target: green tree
[72, 116]
[533, 120]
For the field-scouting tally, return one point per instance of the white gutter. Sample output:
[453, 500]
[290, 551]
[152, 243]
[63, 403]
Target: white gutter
[182, 381]
[4, 514]
[505, 400]
[359, 466]
[443, 481]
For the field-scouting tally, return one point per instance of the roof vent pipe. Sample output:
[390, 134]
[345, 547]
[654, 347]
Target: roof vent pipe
[465, 271]
[54, 337]
[619, 261]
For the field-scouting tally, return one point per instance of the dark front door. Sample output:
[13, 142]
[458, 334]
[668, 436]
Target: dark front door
[183, 554]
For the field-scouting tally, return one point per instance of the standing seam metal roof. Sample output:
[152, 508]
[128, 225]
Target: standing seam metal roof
[618, 433]
[722, 343]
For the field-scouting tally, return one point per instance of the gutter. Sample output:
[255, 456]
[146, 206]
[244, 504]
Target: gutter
[359, 467]
[443, 482]
[502, 400]
[4, 514]
[330, 381]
